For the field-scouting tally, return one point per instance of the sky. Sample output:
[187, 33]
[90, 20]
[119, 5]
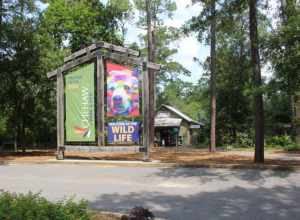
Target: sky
[188, 47]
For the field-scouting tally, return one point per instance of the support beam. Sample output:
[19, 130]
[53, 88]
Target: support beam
[60, 115]
[146, 143]
[100, 101]
[102, 45]
[113, 56]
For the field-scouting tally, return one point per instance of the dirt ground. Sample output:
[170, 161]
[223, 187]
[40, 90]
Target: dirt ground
[187, 156]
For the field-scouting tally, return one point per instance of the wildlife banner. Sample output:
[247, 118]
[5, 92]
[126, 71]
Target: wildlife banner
[123, 133]
[122, 91]
[80, 108]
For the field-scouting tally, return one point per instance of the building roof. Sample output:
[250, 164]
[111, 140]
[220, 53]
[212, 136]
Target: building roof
[180, 114]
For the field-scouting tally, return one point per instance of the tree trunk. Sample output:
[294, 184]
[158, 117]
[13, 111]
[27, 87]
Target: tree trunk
[151, 73]
[212, 147]
[1, 16]
[258, 96]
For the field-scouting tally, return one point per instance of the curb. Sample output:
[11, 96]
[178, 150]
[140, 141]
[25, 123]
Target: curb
[111, 163]
[93, 162]
[242, 166]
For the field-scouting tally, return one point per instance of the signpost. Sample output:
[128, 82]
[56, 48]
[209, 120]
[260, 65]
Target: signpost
[103, 100]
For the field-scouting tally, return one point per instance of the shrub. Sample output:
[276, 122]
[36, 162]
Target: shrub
[244, 139]
[139, 213]
[32, 206]
[280, 141]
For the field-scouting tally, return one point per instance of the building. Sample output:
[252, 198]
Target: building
[174, 128]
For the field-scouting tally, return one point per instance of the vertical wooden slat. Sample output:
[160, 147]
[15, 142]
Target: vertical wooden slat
[100, 101]
[58, 107]
[60, 114]
[146, 143]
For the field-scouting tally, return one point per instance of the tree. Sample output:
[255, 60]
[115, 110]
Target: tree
[151, 76]
[19, 64]
[75, 24]
[33, 43]
[207, 21]
[257, 83]
[283, 51]
[213, 114]
[157, 47]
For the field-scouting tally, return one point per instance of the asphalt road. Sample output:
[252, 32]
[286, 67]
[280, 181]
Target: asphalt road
[172, 193]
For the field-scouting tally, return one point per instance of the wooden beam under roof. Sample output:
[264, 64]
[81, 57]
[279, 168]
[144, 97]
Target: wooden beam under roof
[106, 54]
[102, 45]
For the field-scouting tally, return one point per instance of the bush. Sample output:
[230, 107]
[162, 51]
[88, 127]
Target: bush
[139, 213]
[280, 141]
[32, 206]
[244, 139]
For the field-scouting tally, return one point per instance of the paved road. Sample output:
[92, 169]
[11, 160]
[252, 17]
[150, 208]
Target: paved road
[181, 193]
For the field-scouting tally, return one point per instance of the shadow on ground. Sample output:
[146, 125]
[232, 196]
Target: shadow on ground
[206, 175]
[235, 203]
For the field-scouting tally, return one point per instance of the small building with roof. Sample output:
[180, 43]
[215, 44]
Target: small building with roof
[174, 128]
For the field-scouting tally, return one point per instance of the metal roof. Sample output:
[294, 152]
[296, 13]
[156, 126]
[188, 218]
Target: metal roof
[182, 115]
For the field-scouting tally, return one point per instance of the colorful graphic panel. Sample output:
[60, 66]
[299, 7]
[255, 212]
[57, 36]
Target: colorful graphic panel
[122, 91]
[123, 132]
[80, 108]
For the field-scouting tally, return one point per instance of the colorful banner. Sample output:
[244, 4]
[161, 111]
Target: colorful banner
[123, 133]
[80, 108]
[122, 91]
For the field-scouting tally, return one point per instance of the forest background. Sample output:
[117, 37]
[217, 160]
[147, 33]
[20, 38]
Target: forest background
[36, 35]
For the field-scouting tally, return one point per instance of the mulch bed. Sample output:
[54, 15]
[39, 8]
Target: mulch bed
[167, 155]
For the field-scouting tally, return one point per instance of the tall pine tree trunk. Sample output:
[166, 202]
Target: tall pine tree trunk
[1, 17]
[212, 147]
[258, 96]
[151, 73]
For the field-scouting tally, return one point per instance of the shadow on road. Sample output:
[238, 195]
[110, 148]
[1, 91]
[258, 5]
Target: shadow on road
[207, 175]
[234, 203]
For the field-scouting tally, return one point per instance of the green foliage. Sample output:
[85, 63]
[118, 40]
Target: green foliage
[283, 50]
[3, 127]
[33, 206]
[80, 23]
[280, 141]
[245, 139]
[292, 147]
[164, 39]
[185, 96]
[34, 42]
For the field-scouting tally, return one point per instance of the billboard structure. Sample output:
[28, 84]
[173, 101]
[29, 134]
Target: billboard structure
[103, 100]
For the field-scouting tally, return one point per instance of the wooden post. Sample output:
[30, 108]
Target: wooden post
[151, 72]
[100, 101]
[146, 143]
[60, 115]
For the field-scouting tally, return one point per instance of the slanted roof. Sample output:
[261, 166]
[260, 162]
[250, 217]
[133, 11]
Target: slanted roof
[180, 114]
